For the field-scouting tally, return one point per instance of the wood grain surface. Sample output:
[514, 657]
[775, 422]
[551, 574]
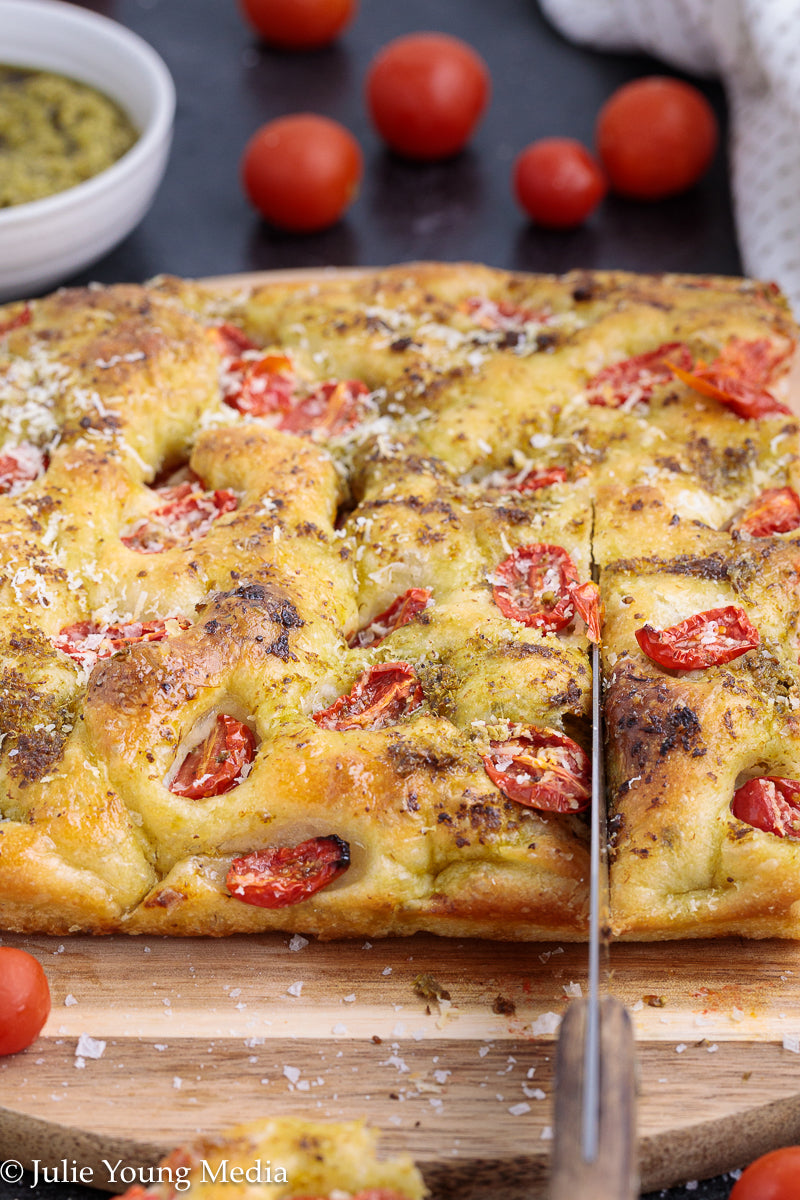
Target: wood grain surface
[202, 1034]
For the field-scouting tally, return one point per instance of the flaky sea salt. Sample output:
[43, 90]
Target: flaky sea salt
[89, 1047]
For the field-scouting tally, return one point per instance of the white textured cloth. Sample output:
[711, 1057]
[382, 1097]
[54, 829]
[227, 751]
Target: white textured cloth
[754, 45]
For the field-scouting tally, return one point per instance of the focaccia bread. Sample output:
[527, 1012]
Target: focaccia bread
[297, 600]
[282, 1158]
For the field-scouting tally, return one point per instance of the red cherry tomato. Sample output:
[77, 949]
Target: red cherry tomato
[330, 408]
[19, 466]
[738, 377]
[534, 585]
[23, 317]
[777, 510]
[590, 607]
[501, 315]
[87, 642]
[282, 875]
[232, 340]
[24, 999]
[301, 172]
[189, 512]
[218, 763]
[769, 803]
[633, 380]
[532, 481]
[542, 769]
[558, 183]
[426, 93]
[774, 1176]
[655, 137]
[402, 610]
[706, 639]
[298, 24]
[259, 386]
[381, 696]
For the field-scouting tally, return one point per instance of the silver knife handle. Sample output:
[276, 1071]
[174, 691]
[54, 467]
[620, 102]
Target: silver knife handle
[613, 1173]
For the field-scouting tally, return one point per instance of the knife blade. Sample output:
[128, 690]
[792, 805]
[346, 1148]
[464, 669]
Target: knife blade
[594, 1148]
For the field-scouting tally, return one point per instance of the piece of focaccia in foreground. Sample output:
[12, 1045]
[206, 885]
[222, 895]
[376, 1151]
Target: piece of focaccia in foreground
[282, 1158]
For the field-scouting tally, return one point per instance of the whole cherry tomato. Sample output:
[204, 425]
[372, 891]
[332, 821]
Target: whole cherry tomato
[298, 24]
[656, 137]
[426, 93]
[774, 1176]
[558, 183]
[24, 999]
[302, 171]
[278, 876]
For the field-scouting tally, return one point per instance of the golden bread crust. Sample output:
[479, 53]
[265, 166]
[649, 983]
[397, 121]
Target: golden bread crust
[302, 537]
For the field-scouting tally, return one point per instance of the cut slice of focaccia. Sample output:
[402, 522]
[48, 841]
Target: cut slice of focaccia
[702, 701]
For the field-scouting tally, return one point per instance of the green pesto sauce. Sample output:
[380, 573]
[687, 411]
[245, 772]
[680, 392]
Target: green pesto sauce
[54, 133]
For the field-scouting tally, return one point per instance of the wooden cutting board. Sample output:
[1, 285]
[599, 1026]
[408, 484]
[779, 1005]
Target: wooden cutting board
[196, 1035]
[203, 1034]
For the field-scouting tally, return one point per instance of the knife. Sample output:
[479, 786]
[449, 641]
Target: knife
[594, 1148]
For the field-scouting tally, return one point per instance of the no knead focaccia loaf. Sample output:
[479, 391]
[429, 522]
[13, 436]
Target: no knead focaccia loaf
[296, 583]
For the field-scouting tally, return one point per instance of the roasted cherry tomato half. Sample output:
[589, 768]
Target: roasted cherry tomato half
[259, 386]
[775, 511]
[302, 171]
[19, 466]
[541, 769]
[707, 639]
[24, 999]
[769, 803]
[278, 876]
[633, 380]
[586, 597]
[738, 377]
[87, 642]
[558, 183]
[402, 610]
[534, 585]
[655, 137]
[232, 340]
[502, 315]
[532, 481]
[774, 1176]
[188, 512]
[23, 317]
[426, 93]
[383, 695]
[298, 24]
[331, 408]
[218, 763]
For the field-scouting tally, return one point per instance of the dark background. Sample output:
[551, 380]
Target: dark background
[228, 84]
